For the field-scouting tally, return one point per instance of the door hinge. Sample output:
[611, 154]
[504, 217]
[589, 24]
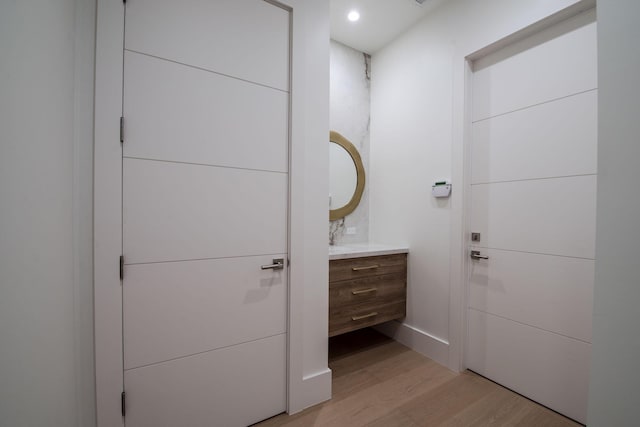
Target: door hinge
[123, 403]
[121, 267]
[121, 129]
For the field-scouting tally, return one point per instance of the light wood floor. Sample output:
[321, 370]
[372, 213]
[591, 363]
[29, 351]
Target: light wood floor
[379, 382]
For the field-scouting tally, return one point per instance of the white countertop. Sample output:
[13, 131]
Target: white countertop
[359, 250]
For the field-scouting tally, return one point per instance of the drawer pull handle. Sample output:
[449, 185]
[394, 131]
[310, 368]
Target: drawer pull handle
[364, 316]
[368, 267]
[363, 291]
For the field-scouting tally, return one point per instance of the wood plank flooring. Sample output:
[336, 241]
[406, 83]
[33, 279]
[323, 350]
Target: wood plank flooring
[378, 382]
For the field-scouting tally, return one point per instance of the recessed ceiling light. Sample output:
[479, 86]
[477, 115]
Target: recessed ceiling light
[353, 16]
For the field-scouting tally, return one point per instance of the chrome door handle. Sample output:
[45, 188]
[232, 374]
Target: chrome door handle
[278, 264]
[476, 255]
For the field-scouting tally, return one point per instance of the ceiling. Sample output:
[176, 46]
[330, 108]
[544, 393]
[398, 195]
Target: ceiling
[380, 22]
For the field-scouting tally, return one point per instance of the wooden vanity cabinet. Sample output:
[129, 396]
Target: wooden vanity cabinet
[366, 291]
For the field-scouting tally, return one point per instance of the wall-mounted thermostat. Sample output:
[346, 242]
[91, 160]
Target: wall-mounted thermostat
[441, 189]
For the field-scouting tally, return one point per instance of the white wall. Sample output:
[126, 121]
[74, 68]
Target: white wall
[349, 115]
[417, 112]
[310, 377]
[46, 114]
[614, 395]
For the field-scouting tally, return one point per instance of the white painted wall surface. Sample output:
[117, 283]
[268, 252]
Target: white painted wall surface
[46, 150]
[310, 383]
[417, 113]
[614, 395]
[349, 112]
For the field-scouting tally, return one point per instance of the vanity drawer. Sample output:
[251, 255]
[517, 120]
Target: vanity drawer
[353, 268]
[366, 291]
[349, 318]
[381, 289]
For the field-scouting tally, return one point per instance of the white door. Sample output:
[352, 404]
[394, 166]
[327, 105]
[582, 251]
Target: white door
[533, 203]
[205, 203]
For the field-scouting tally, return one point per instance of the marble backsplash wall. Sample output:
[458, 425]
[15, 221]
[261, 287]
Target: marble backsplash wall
[350, 115]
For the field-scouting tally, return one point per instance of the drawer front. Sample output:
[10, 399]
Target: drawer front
[374, 289]
[353, 268]
[346, 319]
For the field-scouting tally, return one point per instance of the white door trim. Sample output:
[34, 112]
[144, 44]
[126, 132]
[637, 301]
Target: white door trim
[307, 131]
[460, 230]
[108, 212]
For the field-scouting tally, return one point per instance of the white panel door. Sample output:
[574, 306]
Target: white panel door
[533, 201]
[205, 207]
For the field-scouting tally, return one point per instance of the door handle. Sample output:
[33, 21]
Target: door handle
[476, 255]
[278, 264]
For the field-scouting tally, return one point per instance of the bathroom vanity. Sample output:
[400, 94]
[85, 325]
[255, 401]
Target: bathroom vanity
[367, 282]
[367, 286]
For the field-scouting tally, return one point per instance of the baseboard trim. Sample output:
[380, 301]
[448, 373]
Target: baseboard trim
[422, 342]
[316, 388]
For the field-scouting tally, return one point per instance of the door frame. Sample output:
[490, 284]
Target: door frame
[308, 136]
[461, 172]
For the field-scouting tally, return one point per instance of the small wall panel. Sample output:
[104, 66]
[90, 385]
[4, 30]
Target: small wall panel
[235, 386]
[539, 142]
[548, 368]
[549, 292]
[181, 308]
[174, 211]
[179, 113]
[246, 39]
[554, 63]
[548, 216]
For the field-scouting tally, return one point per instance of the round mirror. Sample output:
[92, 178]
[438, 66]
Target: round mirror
[346, 176]
[343, 175]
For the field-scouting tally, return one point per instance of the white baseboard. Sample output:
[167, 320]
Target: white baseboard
[434, 348]
[316, 388]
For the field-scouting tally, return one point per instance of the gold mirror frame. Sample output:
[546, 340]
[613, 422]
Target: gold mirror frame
[335, 214]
